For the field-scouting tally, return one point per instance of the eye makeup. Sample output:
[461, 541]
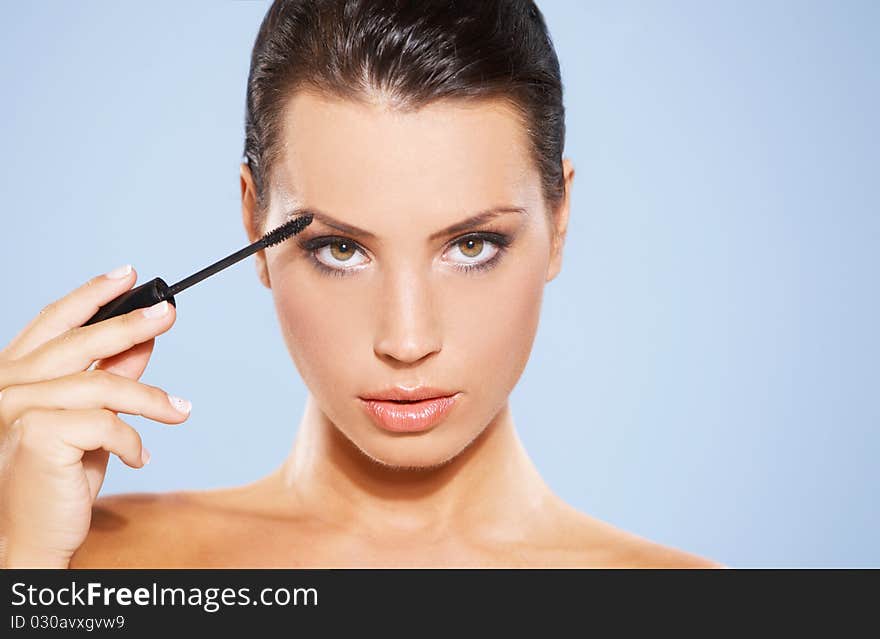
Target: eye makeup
[499, 239]
[310, 246]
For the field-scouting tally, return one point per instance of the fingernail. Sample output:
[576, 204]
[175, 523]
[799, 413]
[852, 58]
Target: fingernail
[156, 310]
[145, 455]
[181, 405]
[119, 272]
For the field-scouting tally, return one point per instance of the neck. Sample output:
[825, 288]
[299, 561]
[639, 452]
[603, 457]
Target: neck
[489, 488]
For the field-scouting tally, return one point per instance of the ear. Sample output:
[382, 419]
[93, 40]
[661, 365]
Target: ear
[560, 222]
[249, 218]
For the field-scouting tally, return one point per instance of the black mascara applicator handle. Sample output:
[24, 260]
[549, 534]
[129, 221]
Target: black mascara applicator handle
[142, 296]
[156, 290]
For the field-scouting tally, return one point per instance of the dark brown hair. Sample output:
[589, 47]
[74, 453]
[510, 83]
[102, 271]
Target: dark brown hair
[411, 52]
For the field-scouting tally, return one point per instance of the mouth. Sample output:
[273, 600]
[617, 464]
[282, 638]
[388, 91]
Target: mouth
[406, 415]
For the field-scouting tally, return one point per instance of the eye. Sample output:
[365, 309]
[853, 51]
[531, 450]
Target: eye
[339, 254]
[473, 250]
[336, 255]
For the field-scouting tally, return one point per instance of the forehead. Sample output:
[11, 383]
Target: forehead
[448, 156]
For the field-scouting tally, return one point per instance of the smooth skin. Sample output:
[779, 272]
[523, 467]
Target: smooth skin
[392, 307]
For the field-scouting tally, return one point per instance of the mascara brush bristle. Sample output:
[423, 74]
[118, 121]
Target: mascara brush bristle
[286, 230]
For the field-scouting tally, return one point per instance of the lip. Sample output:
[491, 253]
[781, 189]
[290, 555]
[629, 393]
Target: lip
[402, 393]
[425, 407]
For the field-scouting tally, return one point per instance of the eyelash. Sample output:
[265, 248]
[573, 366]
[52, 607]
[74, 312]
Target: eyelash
[500, 240]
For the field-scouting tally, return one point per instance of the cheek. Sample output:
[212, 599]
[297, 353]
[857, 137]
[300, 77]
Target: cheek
[322, 332]
[496, 318]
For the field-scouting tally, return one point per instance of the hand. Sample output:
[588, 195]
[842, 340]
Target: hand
[58, 417]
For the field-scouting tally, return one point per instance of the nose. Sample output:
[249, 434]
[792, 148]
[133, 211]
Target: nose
[408, 328]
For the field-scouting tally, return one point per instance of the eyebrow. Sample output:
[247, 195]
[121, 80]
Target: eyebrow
[464, 225]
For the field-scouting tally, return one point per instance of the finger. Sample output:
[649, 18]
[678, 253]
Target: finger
[92, 389]
[74, 309]
[130, 363]
[75, 350]
[63, 436]
[95, 467]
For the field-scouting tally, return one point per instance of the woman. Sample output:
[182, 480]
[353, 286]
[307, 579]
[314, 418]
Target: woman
[426, 138]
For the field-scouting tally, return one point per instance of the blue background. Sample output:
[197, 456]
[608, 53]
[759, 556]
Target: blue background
[705, 373]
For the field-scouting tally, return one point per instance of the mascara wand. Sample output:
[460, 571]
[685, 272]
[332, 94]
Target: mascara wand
[157, 290]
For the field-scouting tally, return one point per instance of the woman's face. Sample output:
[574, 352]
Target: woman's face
[397, 300]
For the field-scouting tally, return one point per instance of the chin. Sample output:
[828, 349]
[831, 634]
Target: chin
[418, 452]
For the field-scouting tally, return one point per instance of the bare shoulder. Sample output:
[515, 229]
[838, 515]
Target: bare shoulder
[601, 544]
[137, 530]
[638, 552]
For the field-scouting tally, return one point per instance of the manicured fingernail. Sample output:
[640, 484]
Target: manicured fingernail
[119, 272]
[156, 310]
[181, 405]
[145, 455]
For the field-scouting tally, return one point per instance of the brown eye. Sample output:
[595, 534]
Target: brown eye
[471, 247]
[341, 251]
[336, 253]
